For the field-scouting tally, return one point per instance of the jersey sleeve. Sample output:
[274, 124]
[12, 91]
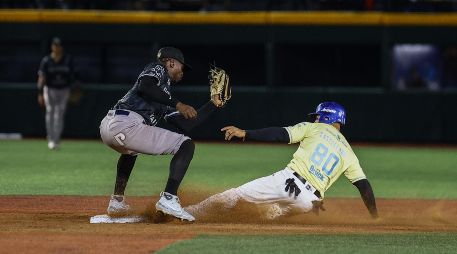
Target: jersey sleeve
[156, 71]
[298, 132]
[354, 173]
[150, 91]
[270, 134]
[187, 125]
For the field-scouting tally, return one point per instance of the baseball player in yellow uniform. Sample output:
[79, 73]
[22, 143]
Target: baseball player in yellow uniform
[321, 158]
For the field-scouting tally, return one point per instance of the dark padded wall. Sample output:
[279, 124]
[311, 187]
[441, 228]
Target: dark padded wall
[412, 117]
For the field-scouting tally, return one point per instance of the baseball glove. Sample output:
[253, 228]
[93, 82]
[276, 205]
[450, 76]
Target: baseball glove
[220, 88]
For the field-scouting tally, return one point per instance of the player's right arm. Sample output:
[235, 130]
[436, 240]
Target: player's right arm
[187, 125]
[270, 134]
[148, 89]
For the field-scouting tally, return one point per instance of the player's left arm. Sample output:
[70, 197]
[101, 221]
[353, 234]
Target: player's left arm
[355, 174]
[220, 94]
[366, 192]
[289, 135]
[148, 89]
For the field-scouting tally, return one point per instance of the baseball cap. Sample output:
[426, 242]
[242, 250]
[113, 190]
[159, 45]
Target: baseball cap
[171, 52]
[56, 41]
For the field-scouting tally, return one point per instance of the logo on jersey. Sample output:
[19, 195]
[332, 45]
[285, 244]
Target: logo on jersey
[153, 119]
[156, 72]
[316, 173]
[167, 92]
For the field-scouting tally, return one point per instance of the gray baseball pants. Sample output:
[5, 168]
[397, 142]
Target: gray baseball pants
[127, 134]
[56, 104]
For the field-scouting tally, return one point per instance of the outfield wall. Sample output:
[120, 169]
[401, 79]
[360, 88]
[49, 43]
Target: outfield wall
[335, 48]
[371, 115]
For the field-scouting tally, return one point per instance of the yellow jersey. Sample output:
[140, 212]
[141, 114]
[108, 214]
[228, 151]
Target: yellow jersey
[323, 155]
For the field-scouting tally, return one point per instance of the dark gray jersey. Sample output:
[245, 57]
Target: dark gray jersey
[152, 112]
[58, 74]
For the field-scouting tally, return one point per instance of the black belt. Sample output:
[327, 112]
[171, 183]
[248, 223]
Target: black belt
[303, 180]
[124, 113]
[121, 112]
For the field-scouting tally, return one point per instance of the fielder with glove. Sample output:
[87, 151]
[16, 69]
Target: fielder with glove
[321, 158]
[130, 127]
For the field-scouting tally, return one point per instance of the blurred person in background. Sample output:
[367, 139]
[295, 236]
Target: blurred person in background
[56, 76]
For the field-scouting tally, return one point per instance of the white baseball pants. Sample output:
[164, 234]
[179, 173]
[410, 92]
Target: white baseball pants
[266, 190]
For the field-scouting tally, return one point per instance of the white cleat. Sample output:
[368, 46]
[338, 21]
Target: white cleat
[169, 204]
[52, 145]
[274, 211]
[117, 206]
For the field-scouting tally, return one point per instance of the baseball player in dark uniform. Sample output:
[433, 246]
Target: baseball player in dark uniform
[130, 129]
[55, 78]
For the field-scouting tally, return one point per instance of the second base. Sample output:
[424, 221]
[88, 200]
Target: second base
[105, 218]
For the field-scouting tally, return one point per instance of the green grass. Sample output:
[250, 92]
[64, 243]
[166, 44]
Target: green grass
[417, 243]
[89, 168]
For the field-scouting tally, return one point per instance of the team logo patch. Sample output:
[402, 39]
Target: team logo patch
[329, 110]
[157, 72]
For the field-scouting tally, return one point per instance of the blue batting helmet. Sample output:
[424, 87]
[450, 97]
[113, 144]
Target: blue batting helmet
[330, 112]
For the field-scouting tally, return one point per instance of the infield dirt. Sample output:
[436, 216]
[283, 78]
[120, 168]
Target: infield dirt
[60, 224]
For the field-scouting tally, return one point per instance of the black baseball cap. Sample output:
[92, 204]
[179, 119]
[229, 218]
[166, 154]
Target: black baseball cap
[171, 52]
[56, 41]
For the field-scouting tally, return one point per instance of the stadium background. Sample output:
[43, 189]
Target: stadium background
[282, 60]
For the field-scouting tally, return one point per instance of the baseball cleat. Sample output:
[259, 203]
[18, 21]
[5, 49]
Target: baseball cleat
[274, 211]
[169, 204]
[52, 145]
[117, 206]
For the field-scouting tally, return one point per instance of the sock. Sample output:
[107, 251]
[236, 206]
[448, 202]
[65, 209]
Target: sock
[124, 168]
[179, 165]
